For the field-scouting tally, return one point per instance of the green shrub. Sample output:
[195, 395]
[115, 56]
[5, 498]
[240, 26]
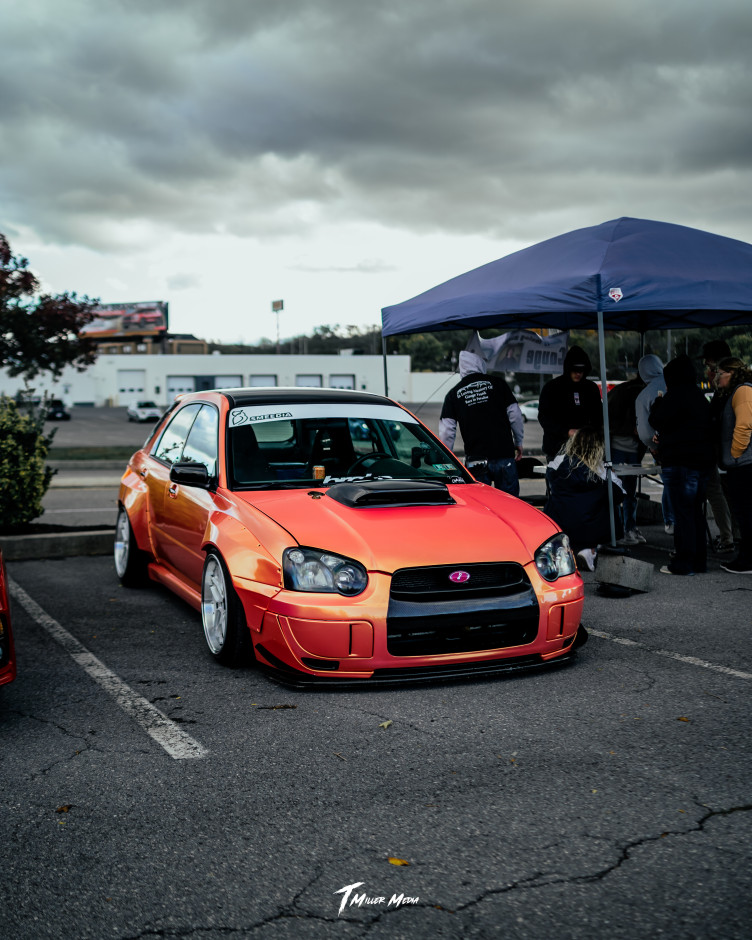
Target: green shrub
[24, 476]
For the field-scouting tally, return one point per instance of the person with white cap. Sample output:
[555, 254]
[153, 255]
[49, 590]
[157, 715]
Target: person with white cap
[490, 422]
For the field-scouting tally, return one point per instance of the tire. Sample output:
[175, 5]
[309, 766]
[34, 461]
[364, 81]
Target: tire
[225, 628]
[130, 561]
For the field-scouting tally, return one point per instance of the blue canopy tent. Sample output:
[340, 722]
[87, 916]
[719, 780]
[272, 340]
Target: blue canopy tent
[626, 274]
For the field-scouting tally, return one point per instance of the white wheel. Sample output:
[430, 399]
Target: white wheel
[214, 605]
[225, 627]
[130, 561]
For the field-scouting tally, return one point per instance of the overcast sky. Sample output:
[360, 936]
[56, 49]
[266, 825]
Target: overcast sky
[343, 155]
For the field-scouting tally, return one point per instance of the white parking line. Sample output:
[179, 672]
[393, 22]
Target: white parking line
[157, 725]
[691, 660]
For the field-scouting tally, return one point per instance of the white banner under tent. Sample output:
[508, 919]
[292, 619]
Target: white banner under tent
[521, 351]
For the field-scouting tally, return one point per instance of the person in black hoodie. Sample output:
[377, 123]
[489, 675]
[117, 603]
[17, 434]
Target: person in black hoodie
[569, 402]
[681, 419]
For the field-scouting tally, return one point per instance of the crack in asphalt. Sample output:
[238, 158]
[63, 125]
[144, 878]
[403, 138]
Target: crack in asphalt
[82, 749]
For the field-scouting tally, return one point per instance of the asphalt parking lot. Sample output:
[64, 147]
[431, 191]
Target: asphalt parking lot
[607, 798]
[150, 792]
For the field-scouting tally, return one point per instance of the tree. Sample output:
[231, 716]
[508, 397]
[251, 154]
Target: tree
[24, 477]
[39, 332]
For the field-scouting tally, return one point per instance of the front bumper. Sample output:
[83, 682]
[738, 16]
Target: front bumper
[305, 639]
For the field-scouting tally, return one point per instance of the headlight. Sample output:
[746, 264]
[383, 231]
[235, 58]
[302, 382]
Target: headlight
[309, 569]
[554, 558]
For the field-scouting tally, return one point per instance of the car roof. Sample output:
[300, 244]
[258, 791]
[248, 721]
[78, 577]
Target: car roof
[274, 394]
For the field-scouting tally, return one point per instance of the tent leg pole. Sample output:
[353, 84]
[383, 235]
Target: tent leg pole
[383, 356]
[606, 431]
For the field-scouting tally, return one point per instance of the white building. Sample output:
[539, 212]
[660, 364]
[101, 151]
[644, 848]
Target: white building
[118, 380]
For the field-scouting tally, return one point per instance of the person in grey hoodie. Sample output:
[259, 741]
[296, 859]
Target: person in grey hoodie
[490, 422]
[650, 368]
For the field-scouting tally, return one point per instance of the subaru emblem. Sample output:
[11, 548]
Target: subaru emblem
[459, 577]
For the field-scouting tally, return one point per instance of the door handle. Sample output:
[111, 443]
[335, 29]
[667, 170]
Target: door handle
[172, 490]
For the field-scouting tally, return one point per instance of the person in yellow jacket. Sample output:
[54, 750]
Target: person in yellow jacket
[735, 379]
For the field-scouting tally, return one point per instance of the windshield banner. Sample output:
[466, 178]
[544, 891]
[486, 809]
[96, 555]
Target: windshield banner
[256, 414]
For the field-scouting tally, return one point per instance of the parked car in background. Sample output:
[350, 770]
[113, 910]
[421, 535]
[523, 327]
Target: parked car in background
[144, 411]
[7, 651]
[57, 410]
[529, 410]
[329, 535]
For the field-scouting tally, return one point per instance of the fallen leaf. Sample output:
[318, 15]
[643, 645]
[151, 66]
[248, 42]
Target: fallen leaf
[65, 808]
[385, 724]
[682, 718]
[397, 861]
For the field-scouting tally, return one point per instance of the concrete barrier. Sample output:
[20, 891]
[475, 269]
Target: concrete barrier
[620, 570]
[57, 544]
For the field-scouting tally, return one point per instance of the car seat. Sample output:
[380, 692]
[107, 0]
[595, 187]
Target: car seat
[332, 449]
[248, 463]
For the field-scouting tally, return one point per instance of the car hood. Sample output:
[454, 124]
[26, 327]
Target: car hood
[482, 524]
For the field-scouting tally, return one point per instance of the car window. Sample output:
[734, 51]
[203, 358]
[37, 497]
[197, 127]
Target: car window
[313, 444]
[201, 445]
[170, 445]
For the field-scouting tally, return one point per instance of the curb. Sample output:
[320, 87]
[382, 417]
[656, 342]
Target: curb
[57, 545]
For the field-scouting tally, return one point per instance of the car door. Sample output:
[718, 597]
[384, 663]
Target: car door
[186, 509]
[167, 451]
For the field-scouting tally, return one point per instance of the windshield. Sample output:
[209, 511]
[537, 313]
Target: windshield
[316, 445]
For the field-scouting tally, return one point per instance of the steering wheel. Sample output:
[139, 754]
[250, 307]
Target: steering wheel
[364, 458]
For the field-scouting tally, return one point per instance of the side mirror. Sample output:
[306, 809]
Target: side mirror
[190, 473]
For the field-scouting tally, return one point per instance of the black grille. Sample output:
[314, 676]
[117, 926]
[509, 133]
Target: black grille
[499, 579]
[461, 633]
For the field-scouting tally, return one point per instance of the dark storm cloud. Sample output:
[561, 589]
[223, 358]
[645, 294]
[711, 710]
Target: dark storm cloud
[464, 115]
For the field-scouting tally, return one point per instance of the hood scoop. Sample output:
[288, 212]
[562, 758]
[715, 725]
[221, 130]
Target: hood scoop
[372, 494]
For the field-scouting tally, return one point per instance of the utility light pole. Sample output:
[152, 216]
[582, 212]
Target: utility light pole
[277, 305]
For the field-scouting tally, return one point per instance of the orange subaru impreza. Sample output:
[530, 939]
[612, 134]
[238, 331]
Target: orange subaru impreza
[330, 536]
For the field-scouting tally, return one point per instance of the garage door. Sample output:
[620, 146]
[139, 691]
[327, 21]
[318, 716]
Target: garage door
[131, 384]
[178, 385]
[342, 380]
[228, 381]
[308, 380]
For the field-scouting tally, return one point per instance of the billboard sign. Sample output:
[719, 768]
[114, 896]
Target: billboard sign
[123, 321]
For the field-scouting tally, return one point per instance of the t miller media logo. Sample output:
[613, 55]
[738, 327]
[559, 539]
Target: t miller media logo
[351, 898]
[615, 294]
[459, 577]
